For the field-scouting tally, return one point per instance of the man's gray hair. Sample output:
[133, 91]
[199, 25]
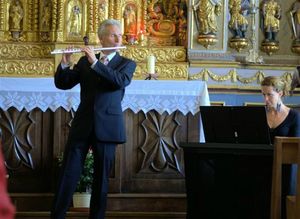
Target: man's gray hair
[108, 22]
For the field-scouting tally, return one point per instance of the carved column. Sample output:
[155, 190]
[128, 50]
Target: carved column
[111, 9]
[32, 21]
[117, 14]
[60, 18]
[96, 16]
[2, 19]
[144, 18]
[90, 21]
[54, 20]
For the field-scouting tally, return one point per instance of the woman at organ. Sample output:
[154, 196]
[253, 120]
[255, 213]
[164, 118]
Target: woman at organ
[282, 121]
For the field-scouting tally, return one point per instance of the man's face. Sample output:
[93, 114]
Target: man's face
[112, 37]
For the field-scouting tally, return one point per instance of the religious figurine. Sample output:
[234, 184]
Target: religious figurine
[129, 20]
[295, 18]
[154, 11]
[16, 15]
[271, 14]
[129, 16]
[75, 20]
[172, 9]
[46, 15]
[238, 23]
[206, 12]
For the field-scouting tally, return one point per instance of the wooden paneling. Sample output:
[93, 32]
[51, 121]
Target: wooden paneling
[150, 162]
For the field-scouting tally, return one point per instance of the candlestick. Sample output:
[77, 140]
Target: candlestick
[151, 64]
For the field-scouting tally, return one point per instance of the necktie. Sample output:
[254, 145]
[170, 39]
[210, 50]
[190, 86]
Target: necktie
[104, 60]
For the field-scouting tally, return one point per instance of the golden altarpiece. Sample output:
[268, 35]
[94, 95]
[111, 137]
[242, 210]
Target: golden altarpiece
[223, 42]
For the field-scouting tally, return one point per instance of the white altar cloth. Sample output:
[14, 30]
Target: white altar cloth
[144, 95]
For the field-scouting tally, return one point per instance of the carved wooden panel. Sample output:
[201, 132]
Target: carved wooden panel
[27, 149]
[150, 161]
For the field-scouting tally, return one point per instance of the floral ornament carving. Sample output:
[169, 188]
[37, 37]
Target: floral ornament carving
[17, 145]
[160, 148]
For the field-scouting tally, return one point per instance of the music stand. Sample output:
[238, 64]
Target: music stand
[235, 124]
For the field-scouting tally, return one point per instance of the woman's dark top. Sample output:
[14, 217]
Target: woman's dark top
[290, 127]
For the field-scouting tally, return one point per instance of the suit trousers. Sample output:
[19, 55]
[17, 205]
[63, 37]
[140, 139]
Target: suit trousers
[74, 156]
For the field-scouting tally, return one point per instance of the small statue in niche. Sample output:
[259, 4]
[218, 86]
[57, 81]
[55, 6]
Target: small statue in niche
[129, 20]
[206, 12]
[75, 20]
[182, 28]
[154, 10]
[295, 18]
[271, 14]
[16, 14]
[46, 16]
[172, 10]
[238, 24]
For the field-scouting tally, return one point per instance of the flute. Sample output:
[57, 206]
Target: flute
[77, 50]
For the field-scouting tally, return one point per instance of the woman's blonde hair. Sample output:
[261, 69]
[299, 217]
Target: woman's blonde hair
[279, 84]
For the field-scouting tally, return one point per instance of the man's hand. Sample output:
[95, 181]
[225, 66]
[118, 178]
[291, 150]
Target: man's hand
[90, 54]
[66, 57]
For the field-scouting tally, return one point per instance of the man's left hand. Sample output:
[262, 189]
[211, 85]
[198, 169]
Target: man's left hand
[90, 54]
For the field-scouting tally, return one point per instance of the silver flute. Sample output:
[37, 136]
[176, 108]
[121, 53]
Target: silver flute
[77, 50]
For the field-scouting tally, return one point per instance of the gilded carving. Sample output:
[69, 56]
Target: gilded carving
[232, 75]
[164, 18]
[160, 150]
[22, 51]
[164, 71]
[169, 54]
[26, 68]
[2, 15]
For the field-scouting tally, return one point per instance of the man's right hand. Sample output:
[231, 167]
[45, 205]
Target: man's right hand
[66, 57]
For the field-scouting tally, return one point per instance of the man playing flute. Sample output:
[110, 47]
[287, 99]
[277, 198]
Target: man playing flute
[98, 123]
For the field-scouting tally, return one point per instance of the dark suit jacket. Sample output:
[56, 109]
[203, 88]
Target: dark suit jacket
[102, 91]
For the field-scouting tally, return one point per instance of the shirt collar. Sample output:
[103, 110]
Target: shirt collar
[109, 57]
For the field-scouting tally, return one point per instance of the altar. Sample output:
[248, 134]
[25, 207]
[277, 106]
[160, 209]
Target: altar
[35, 118]
[141, 95]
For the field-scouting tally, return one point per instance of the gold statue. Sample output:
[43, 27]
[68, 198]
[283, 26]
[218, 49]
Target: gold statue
[295, 17]
[46, 16]
[75, 20]
[271, 13]
[206, 12]
[172, 9]
[16, 15]
[238, 24]
[129, 20]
